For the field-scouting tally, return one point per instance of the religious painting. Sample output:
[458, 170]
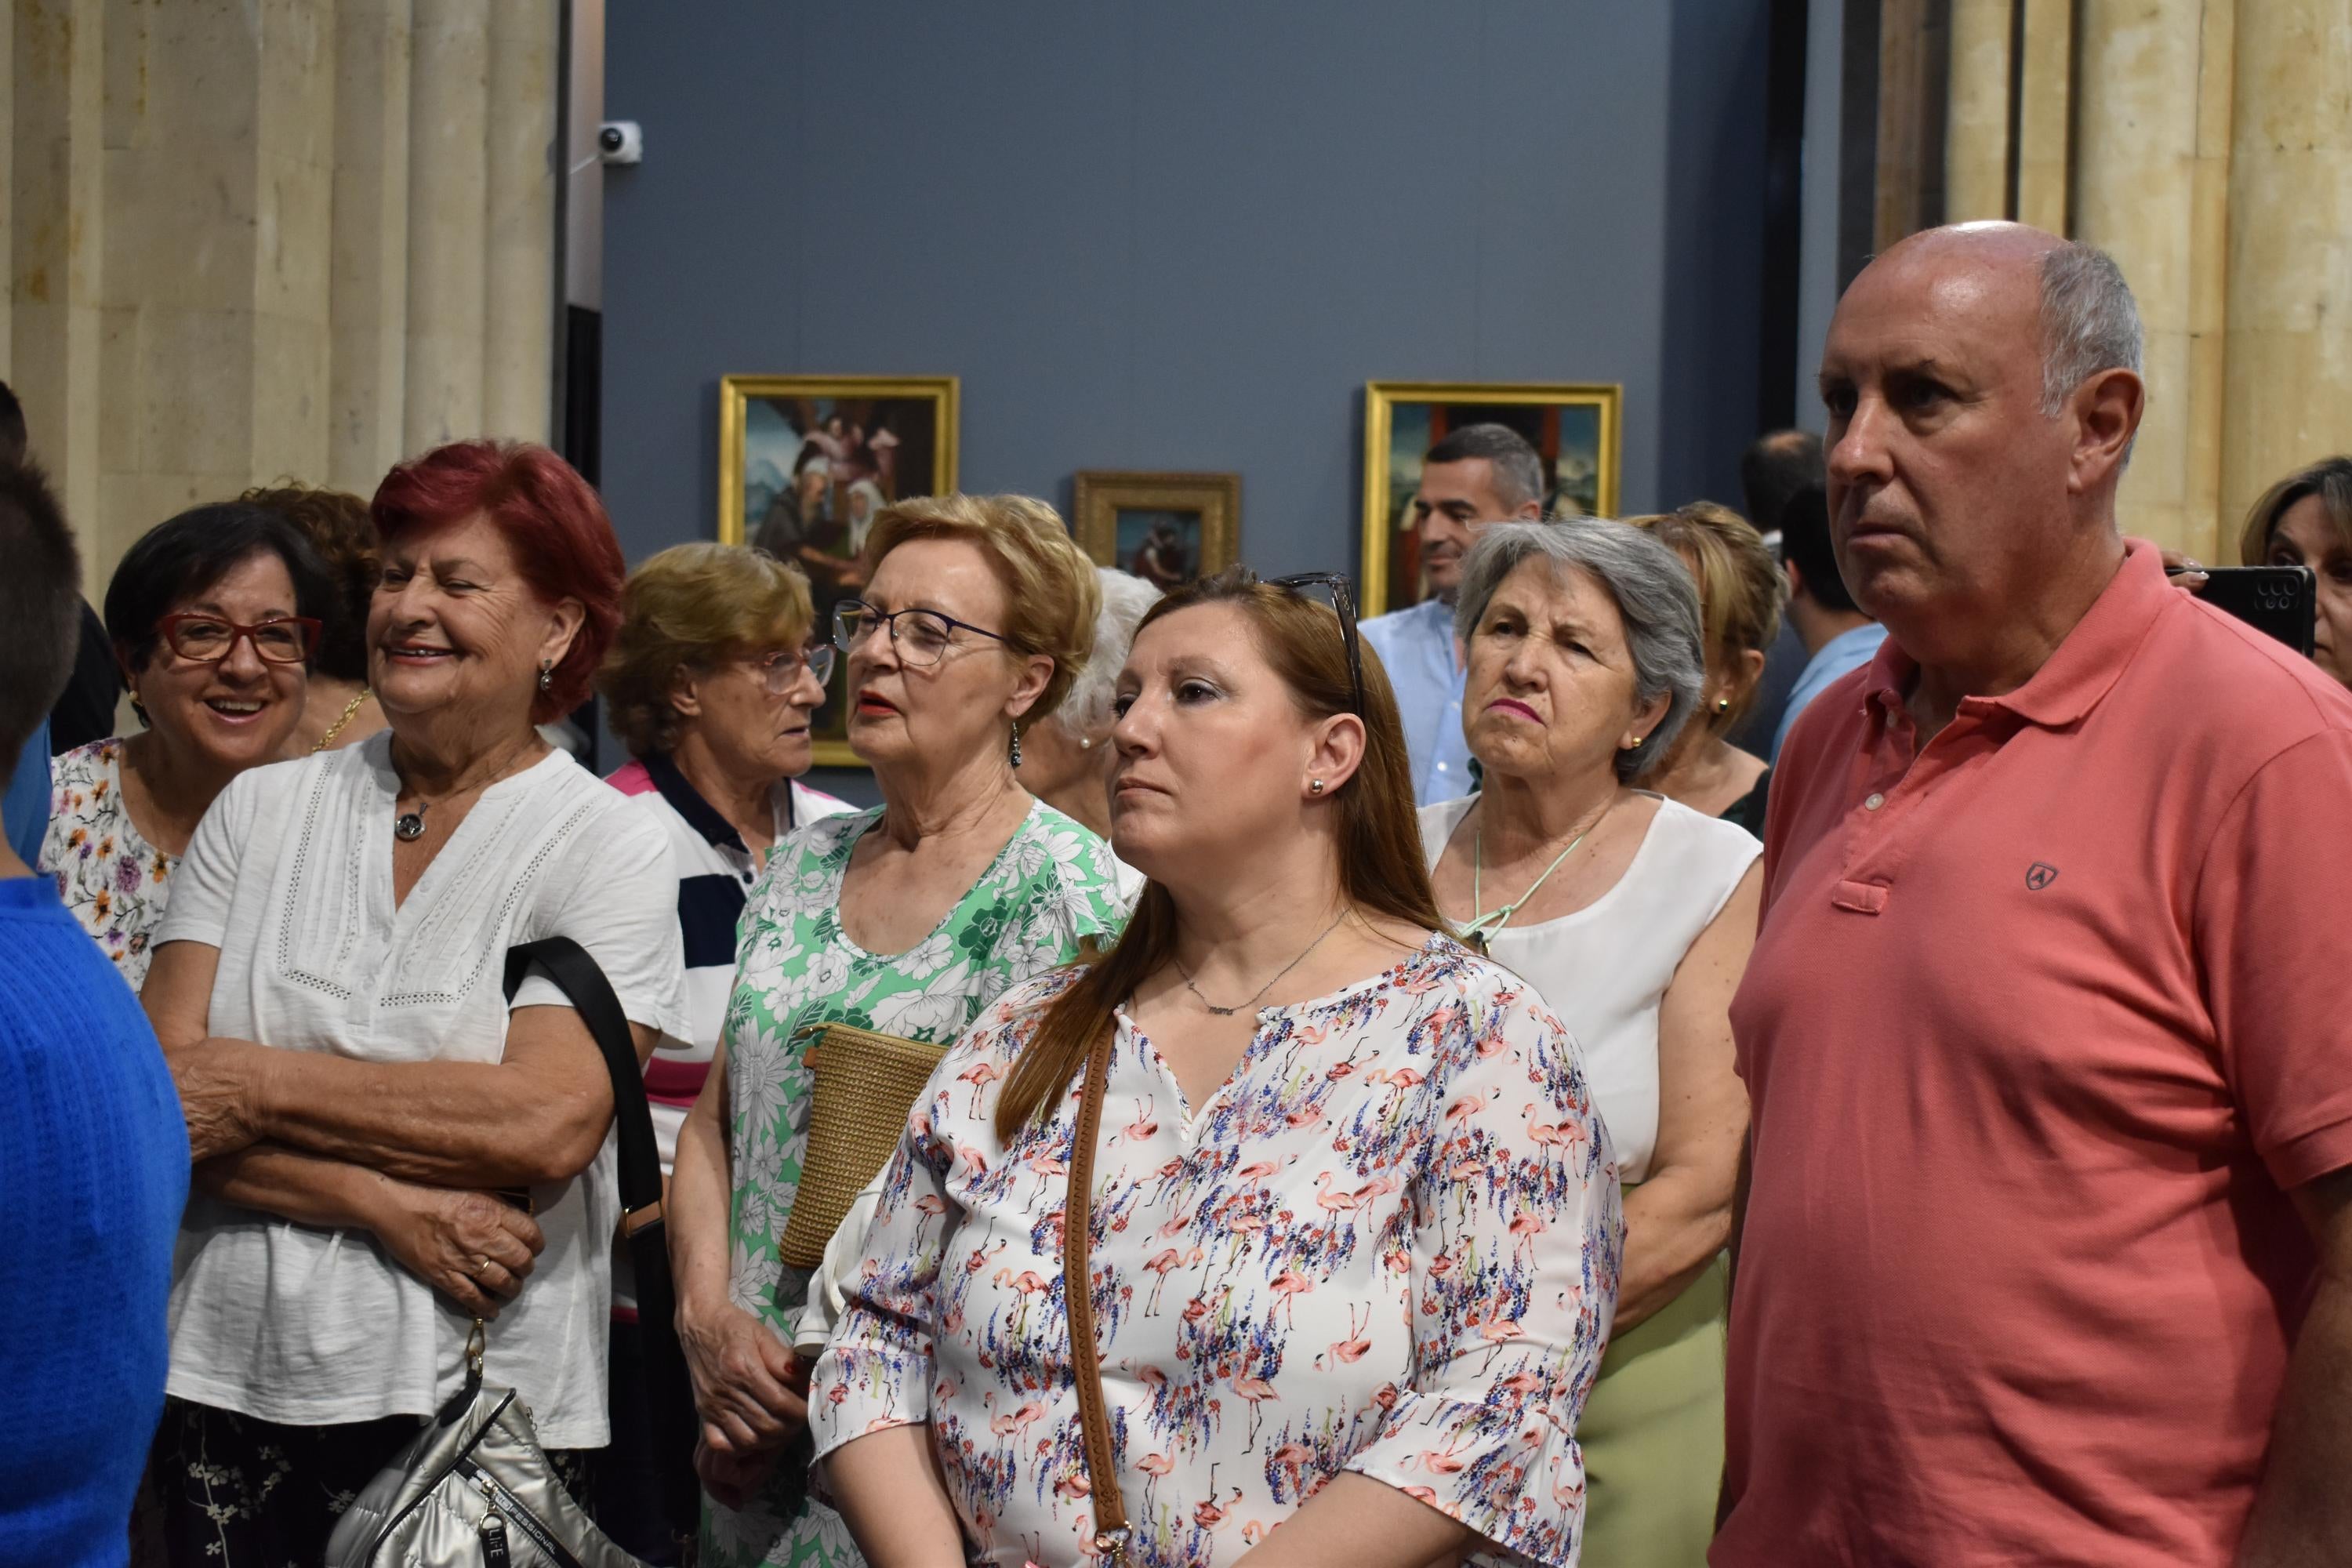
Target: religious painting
[1573, 428]
[805, 462]
[1166, 529]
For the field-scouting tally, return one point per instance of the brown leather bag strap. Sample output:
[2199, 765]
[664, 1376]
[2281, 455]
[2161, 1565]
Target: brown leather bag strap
[1093, 1418]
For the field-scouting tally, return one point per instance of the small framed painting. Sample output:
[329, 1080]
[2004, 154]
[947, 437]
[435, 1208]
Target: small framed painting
[1166, 529]
[1572, 426]
[805, 464]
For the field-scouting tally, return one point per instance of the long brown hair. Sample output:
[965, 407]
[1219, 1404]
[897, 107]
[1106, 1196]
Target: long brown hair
[1381, 868]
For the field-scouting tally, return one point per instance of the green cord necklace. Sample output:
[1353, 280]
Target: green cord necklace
[1482, 929]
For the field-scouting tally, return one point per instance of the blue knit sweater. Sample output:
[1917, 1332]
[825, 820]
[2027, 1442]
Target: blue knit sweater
[93, 1174]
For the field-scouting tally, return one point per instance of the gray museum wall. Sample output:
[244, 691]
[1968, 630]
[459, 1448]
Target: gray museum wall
[1184, 235]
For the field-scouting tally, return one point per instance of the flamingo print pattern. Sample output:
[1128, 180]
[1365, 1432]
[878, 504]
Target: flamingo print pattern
[1051, 886]
[1355, 1257]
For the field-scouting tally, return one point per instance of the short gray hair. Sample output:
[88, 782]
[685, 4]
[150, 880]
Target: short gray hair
[1655, 596]
[1517, 467]
[2089, 321]
[1125, 599]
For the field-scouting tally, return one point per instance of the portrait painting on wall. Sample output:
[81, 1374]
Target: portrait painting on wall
[1573, 428]
[1166, 529]
[805, 462]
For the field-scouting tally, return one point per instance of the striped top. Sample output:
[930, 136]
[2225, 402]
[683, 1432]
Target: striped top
[715, 870]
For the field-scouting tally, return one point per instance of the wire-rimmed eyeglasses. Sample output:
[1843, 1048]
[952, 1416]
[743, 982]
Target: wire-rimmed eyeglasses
[1343, 602]
[779, 670]
[921, 636]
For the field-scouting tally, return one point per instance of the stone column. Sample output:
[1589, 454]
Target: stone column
[55, 230]
[448, 180]
[519, 358]
[2288, 365]
[368, 275]
[293, 201]
[2044, 97]
[1976, 136]
[2143, 156]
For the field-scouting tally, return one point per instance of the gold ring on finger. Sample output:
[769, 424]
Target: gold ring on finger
[482, 1266]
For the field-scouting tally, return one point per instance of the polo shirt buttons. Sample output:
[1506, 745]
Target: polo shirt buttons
[1874, 802]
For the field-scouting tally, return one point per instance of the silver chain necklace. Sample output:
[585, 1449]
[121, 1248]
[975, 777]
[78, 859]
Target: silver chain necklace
[1229, 1012]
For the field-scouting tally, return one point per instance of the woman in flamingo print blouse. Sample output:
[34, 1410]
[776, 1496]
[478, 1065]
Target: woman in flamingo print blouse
[1355, 1225]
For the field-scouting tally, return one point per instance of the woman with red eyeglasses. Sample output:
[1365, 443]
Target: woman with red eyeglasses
[214, 616]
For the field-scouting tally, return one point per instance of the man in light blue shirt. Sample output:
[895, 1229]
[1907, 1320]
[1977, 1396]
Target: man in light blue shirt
[1839, 636]
[1477, 475]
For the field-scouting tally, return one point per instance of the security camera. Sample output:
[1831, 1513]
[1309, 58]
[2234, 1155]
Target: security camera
[621, 142]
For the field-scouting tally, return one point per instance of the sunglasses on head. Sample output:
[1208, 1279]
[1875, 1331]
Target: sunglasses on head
[1343, 602]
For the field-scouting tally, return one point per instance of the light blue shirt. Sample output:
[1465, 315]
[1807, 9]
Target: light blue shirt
[1416, 648]
[1847, 650]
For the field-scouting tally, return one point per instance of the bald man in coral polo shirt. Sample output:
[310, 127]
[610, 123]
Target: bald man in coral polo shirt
[2046, 1255]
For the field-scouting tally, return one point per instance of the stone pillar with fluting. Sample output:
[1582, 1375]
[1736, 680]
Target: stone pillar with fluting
[1976, 135]
[2044, 113]
[57, 225]
[2288, 362]
[519, 353]
[2147, 164]
[448, 203]
[368, 279]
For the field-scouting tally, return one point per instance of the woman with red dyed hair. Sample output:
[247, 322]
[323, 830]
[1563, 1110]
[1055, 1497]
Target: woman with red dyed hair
[385, 1148]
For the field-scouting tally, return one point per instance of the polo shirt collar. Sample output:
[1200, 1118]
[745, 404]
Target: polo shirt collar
[2084, 666]
[688, 802]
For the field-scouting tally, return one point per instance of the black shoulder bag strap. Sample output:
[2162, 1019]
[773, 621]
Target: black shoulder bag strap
[669, 1392]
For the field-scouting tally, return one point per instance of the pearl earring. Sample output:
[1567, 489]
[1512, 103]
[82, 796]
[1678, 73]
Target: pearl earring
[546, 673]
[1315, 786]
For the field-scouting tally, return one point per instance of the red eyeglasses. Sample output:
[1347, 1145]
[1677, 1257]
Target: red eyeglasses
[207, 640]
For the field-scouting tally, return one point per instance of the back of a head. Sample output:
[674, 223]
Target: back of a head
[342, 531]
[13, 438]
[40, 599]
[1773, 469]
[1805, 544]
[1517, 466]
[1126, 599]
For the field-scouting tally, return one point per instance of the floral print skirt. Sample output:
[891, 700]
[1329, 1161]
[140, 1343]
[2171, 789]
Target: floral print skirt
[226, 1490]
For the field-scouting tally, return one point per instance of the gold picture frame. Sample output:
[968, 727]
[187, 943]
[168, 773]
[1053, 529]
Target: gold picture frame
[816, 457]
[1572, 423]
[1166, 529]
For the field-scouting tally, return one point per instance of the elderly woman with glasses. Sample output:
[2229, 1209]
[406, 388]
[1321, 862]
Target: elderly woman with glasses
[1632, 913]
[907, 920]
[710, 685]
[214, 616]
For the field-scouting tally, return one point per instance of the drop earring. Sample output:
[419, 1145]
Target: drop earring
[546, 673]
[1016, 745]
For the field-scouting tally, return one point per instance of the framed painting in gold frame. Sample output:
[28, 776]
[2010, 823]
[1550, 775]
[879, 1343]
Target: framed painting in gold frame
[1573, 427]
[805, 462]
[1166, 529]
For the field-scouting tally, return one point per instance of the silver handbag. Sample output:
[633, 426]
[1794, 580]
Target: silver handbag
[473, 1490]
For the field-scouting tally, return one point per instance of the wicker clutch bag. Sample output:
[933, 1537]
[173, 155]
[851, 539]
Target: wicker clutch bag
[864, 1085]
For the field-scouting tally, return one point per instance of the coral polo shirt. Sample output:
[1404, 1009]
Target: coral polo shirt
[2044, 1018]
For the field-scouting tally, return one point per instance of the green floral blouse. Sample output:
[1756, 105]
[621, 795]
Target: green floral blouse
[1051, 886]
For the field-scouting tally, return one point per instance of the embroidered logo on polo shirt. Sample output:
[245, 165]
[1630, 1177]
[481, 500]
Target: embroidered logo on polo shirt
[2039, 875]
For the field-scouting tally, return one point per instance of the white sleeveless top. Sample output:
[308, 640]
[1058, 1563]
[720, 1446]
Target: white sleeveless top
[1604, 969]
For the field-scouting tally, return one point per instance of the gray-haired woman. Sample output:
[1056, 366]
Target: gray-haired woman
[1633, 915]
[1070, 755]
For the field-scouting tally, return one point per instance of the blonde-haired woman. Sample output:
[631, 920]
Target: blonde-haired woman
[1741, 590]
[907, 919]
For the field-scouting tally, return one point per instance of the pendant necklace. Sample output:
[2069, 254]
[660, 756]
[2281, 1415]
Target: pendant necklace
[409, 825]
[1229, 1012]
[1482, 929]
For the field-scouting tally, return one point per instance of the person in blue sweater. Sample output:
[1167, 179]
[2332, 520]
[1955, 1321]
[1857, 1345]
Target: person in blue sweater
[95, 1160]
